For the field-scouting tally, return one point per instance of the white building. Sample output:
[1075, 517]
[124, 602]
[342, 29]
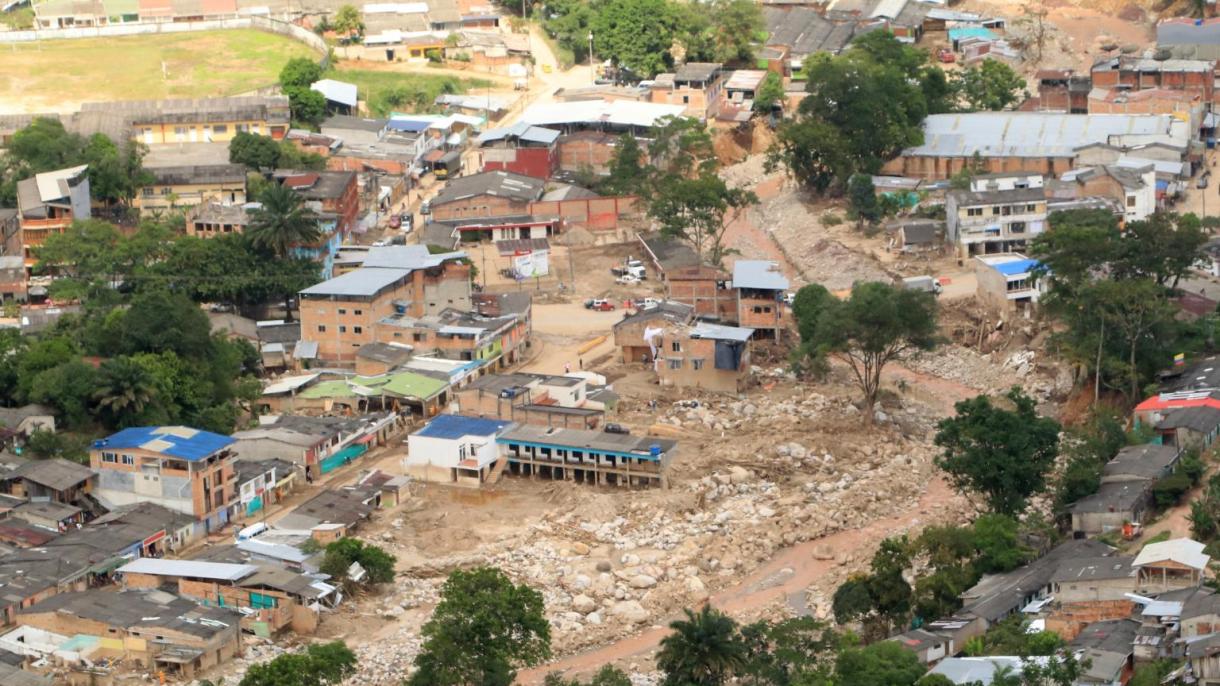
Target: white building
[1008, 281]
[455, 449]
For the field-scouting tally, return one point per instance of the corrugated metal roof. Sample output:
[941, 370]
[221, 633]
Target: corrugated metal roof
[760, 274]
[1180, 550]
[719, 332]
[364, 282]
[619, 112]
[337, 91]
[1033, 134]
[521, 131]
[220, 571]
[176, 441]
[453, 427]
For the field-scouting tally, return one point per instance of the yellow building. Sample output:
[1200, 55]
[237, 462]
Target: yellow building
[187, 186]
[204, 120]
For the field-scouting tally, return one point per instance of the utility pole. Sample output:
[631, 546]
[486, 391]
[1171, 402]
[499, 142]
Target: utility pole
[592, 69]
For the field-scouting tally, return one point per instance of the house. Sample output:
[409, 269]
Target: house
[521, 149]
[1114, 505]
[708, 356]
[355, 130]
[316, 445]
[696, 86]
[341, 98]
[709, 290]
[1107, 648]
[13, 282]
[1171, 565]
[1095, 579]
[263, 482]
[25, 420]
[455, 449]
[487, 194]
[931, 648]
[179, 187]
[631, 332]
[1133, 73]
[1194, 391]
[153, 122]
[1008, 282]
[210, 219]
[186, 470]
[797, 32]
[48, 203]
[589, 457]
[1030, 142]
[381, 358]
[546, 400]
[333, 513]
[420, 394]
[1147, 462]
[1060, 90]
[1189, 427]
[156, 629]
[1204, 656]
[55, 480]
[335, 192]
[760, 286]
[614, 116]
[915, 236]
[1134, 188]
[49, 515]
[998, 213]
[456, 335]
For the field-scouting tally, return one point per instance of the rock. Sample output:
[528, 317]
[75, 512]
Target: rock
[594, 618]
[583, 604]
[695, 585]
[880, 416]
[604, 566]
[630, 611]
[630, 560]
[797, 450]
[643, 581]
[580, 548]
[740, 475]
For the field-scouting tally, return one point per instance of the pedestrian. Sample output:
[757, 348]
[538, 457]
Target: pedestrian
[582, 363]
[567, 367]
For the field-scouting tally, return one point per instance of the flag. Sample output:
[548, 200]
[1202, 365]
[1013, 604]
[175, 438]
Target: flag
[1179, 359]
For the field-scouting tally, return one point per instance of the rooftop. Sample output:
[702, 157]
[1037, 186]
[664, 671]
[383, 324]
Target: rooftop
[1095, 569]
[1180, 550]
[1009, 264]
[668, 310]
[337, 91]
[141, 609]
[719, 332]
[697, 72]
[759, 274]
[1201, 419]
[407, 257]
[56, 473]
[520, 131]
[1148, 460]
[502, 184]
[669, 252]
[1114, 496]
[175, 441]
[345, 123]
[364, 283]
[621, 444]
[1034, 134]
[453, 427]
[997, 595]
[215, 571]
[613, 112]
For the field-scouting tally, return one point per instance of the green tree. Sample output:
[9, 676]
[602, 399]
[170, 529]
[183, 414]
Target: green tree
[628, 173]
[300, 72]
[115, 173]
[698, 211]
[873, 327]
[255, 151]
[788, 652]
[317, 665]
[45, 444]
[68, 388]
[1002, 454]
[681, 146]
[1163, 248]
[608, 675]
[569, 23]
[308, 106]
[282, 222]
[377, 563]
[812, 151]
[862, 199]
[885, 663]
[292, 157]
[770, 94]
[348, 22]
[988, 85]
[483, 629]
[635, 34]
[701, 650]
[160, 321]
[721, 31]
[124, 390]
[998, 548]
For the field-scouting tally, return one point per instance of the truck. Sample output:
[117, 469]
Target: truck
[631, 267]
[925, 283]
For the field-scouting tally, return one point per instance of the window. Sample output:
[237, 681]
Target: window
[357, 312]
[974, 212]
[109, 457]
[321, 328]
[676, 346]
[129, 459]
[342, 311]
[1016, 227]
[357, 329]
[757, 309]
[342, 329]
[417, 337]
[179, 131]
[220, 128]
[166, 190]
[1130, 201]
[675, 364]
[995, 210]
[767, 309]
[1031, 208]
[242, 128]
[1006, 210]
[147, 192]
[685, 99]
[696, 364]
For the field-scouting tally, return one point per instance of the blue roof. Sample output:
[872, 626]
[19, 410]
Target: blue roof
[408, 125]
[970, 32]
[1016, 267]
[175, 441]
[452, 426]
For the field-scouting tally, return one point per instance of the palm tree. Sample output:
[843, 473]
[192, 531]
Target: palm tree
[282, 222]
[703, 650]
[124, 390]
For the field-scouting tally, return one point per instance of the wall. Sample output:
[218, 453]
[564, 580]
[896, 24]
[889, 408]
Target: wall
[334, 323]
[444, 453]
[595, 214]
[156, 198]
[759, 313]
[1068, 620]
[531, 161]
[593, 150]
[936, 168]
[699, 351]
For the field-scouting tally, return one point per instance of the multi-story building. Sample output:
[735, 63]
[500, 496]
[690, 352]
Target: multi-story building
[211, 219]
[761, 287]
[707, 356]
[1008, 282]
[1133, 73]
[198, 121]
[334, 192]
[522, 149]
[48, 203]
[489, 194]
[181, 187]
[1134, 188]
[999, 213]
[696, 86]
[183, 469]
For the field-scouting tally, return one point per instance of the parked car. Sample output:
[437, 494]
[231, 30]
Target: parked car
[1202, 182]
[613, 428]
[627, 280]
[789, 298]
[645, 303]
[407, 220]
[425, 207]
[599, 304]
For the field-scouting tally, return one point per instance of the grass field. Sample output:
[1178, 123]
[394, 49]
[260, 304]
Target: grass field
[59, 75]
[390, 91]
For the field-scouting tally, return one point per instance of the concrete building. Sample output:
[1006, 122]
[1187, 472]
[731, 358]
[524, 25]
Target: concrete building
[1190, 428]
[696, 86]
[211, 219]
[1113, 506]
[355, 130]
[630, 332]
[1135, 189]
[455, 449]
[14, 284]
[999, 213]
[760, 286]
[315, 445]
[708, 356]
[521, 149]
[588, 457]
[1007, 282]
[334, 192]
[54, 480]
[487, 194]
[1189, 39]
[1133, 74]
[180, 187]
[1147, 462]
[546, 400]
[153, 122]
[1093, 579]
[183, 469]
[929, 647]
[48, 203]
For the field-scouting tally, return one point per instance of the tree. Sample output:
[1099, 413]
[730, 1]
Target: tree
[569, 22]
[161, 321]
[300, 72]
[770, 94]
[45, 444]
[791, 651]
[698, 210]
[812, 151]
[628, 175]
[255, 151]
[308, 106]
[681, 146]
[720, 31]
[1164, 247]
[317, 665]
[998, 548]
[635, 34]
[115, 173]
[68, 389]
[377, 563]
[348, 22]
[862, 196]
[872, 328]
[702, 650]
[1000, 453]
[124, 390]
[483, 629]
[988, 85]
[885, 663]
[282, 222]
[608, 675]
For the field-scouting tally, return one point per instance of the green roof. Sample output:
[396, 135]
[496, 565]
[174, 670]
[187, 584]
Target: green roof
[328, 389]
[406, 384]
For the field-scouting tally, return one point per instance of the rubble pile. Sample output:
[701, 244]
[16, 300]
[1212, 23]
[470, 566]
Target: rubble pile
[994, 372]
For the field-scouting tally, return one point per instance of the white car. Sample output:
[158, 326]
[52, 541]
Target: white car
[627, 280]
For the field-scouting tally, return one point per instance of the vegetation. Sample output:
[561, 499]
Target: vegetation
[988, 85]
[483, 629]
[1001, 450]
[1087, 448]
[377, 563]
[265, 153]
[308, 106]
[388, 91]
[317, 665]
[703, 650]
[348, 22]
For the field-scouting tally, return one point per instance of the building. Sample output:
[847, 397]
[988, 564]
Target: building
[1107, 648]
[381, 358]
[589, 457]
[457, 335]
[152, 122]
[487, 194]
[183, 469]
[156, 629]
[48, 203]
[1135, 189]
[761, 288]
[13, 280]
[520, 149]
[545, 400]
[794, 33]
[456, 449]
[631, 332]
[1170, 565]
[1029, 142]
[968, 671]
[263, 482]
[1132, 73]
[915, 236]
[1190, 428]
[315, 445]
[705, 288]
[999, 213]
[341, 97]
[609, 116]
[931, 648]
[708, 356]
[1147, 462]
[696, 86]
[1115, 505]
[359, 131]
[1060, 90]
[212, 219]
[53, 480]
[345, 312]
[1094, 579]
[180, 187]
[1007, 282]
[334, 192]
[1189, 39]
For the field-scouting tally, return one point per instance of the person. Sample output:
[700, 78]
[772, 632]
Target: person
[567, 367]
[582, 363]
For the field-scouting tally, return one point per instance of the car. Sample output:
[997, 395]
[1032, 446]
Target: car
[613, 428]
[425, 207]
[1202, 182]
[789, 298]
[407, 220]
[627, 280]
[599, 304]
[395, 221]
[381, 243]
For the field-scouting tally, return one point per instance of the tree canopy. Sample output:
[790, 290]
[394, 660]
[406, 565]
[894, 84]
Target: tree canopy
[316, 665]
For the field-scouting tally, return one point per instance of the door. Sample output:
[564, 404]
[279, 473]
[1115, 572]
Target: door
[194, 135]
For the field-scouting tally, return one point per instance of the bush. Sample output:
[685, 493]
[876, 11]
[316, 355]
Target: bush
[831, 219]
[1169, 490]
[1192, 466]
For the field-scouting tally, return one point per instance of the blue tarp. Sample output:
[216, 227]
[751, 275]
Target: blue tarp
[1016, 267]
[343, 457]
[970, 32]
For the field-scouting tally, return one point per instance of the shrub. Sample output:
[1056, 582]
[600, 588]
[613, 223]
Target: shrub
[831, 219]
[1169, 490]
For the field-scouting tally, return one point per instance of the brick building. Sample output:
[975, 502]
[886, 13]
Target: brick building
[707, 356]
[488, 194]
[630, 333]
[521, 149]
[1132, 73]
[48, 203]
[760, 287]
[335, 192]
[696, 86]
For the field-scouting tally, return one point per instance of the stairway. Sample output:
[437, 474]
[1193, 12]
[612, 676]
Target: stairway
[496, 471]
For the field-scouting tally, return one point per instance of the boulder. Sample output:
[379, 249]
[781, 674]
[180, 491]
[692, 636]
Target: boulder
[630, 611]
[643, 581]
[583, 604]
[580, 548]
[740, 475]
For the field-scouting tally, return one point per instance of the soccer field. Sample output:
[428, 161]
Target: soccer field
[56, 76]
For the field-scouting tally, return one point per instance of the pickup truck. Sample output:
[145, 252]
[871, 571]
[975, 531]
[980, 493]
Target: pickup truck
[599, 304]
[632, 267]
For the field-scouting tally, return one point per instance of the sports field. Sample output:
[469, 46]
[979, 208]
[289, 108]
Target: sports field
[59, 75]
